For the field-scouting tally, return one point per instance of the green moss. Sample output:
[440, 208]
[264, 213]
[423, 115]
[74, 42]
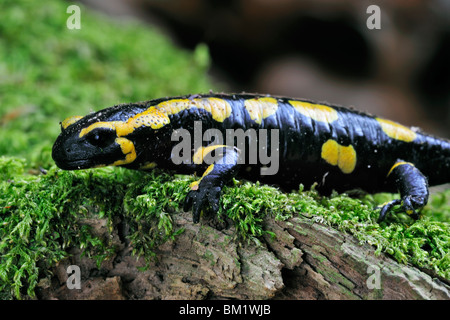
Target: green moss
[148, 205]
[39, 218]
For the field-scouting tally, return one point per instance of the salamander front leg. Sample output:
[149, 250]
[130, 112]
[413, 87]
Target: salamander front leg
[413, 188]
[206, 191]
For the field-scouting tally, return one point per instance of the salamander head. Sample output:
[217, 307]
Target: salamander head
[107, 137]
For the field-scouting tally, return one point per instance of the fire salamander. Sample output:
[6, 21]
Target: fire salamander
[332, 147]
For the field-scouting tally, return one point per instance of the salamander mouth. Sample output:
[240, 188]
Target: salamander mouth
[77, 164]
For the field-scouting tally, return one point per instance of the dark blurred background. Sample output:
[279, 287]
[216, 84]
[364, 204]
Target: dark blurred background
[318, 49]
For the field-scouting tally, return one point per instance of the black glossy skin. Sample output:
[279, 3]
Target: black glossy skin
[300, 142]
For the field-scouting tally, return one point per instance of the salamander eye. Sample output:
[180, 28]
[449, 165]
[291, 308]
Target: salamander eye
[101, 137]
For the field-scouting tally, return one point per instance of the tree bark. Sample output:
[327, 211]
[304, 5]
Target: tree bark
[305, 260]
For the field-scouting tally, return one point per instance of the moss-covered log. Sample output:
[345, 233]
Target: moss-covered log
[302, 259]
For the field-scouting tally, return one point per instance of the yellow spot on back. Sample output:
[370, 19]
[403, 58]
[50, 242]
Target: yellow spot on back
[71, 120]
[174, 106]
[261, 108]
[341, 156]
[330, 152]
[317, 112]
[149, 118]
[398, 164]
[220, 109]
[397, 131]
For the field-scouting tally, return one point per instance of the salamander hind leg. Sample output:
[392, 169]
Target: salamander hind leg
[205, 193]
[412, 186]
